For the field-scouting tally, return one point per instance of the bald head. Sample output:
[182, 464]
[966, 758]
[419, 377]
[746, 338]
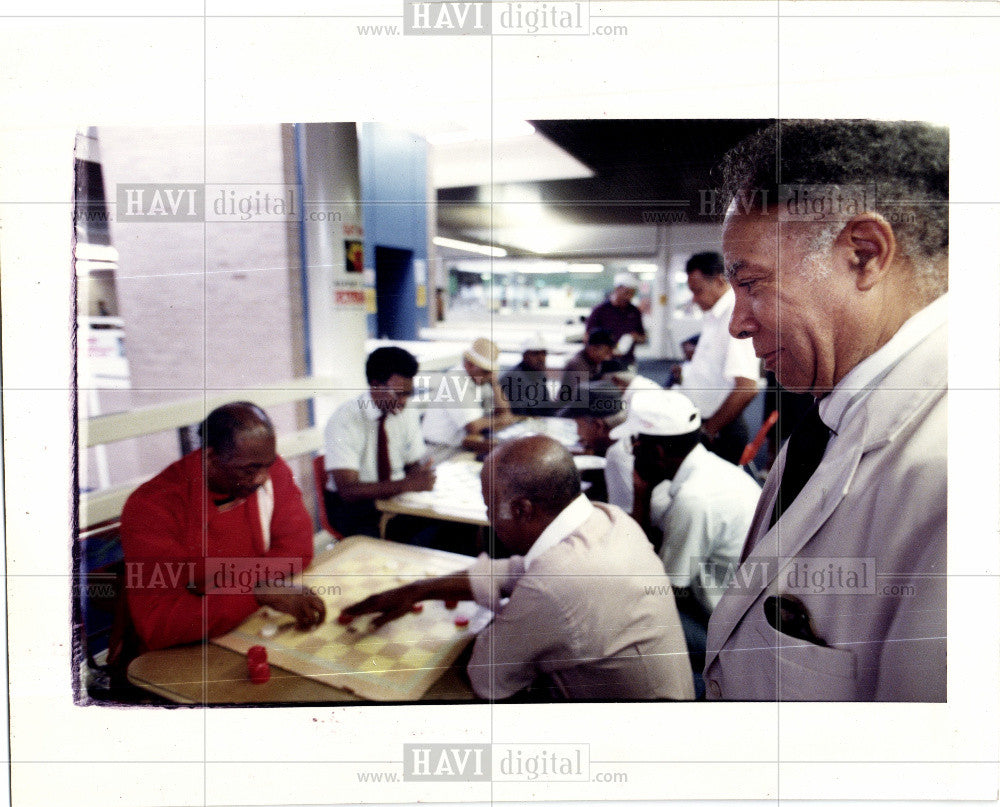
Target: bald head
[538, 469]
[233, 422]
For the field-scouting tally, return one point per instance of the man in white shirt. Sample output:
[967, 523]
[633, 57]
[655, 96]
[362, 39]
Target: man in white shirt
[840, 275]
[374, 449]
[583, 604]
[475, 403]
[721, 377]
[695, 506]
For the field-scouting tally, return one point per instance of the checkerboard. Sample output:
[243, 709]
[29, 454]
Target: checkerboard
[398, 662]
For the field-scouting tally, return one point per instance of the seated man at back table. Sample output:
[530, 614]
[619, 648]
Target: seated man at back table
[524, 384]
[579, 615]
[471, 402]
[374, 448]
[216, 535]
[586, 366]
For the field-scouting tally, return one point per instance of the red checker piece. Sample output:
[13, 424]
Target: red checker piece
[345, 618]
[451, 604]
[417, 607]
[256, 654]
[260, 673]
[462, 621]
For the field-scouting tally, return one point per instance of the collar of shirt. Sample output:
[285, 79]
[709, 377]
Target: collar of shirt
[723, 308]
[855, 386]
[687, 468]
[567, 522]
[367, 404]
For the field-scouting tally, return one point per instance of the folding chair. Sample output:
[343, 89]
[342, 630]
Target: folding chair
[754, 446]
[319, 481]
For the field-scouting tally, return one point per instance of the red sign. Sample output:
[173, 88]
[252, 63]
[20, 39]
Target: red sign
[349, 297]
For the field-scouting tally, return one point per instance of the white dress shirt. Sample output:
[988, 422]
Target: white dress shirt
[351, 439]
[719, 359]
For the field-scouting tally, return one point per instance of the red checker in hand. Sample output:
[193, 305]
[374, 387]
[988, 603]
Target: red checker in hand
[256, 654]
[260, 673]
[462, 621]
[451, 604]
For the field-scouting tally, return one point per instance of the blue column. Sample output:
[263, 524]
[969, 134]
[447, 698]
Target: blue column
[394, 191]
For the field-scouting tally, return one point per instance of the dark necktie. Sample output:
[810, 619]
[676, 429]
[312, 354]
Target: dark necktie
[805, 450]
[806, 446]
[384, 467]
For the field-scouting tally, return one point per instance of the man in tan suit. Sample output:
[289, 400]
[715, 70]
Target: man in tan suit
[590, 611]
[840, 269]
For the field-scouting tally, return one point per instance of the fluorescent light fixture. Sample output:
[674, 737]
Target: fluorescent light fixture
[499, 131]
[586, 268]
[643, 268]
[468, 246]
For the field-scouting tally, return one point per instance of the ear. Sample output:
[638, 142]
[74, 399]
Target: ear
[522, 509]
[871, 246]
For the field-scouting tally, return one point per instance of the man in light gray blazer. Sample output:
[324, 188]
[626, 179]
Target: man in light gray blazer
[836, 244]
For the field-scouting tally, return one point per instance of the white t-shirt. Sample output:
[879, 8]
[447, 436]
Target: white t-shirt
[705, 513]
[351, 438]
[718, 360]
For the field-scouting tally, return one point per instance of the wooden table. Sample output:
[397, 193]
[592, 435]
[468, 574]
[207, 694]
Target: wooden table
[209, 674]
[440, 504]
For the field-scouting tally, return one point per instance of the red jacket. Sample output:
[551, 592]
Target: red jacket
[175, 540]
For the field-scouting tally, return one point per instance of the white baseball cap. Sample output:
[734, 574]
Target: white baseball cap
[626, 279]
[534, 342]
[659, 413]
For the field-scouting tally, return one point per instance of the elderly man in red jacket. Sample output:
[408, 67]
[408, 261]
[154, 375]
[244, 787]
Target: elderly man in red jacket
[216, 535]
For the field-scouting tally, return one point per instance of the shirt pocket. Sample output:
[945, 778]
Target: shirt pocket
[808, 672]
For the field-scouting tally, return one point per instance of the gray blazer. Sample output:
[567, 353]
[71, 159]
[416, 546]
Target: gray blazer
[876, 506]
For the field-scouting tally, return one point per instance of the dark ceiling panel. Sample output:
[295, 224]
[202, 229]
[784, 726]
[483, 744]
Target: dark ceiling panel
[642, 168]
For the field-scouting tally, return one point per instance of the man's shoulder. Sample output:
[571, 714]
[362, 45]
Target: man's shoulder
[350, 413]
[352, 409]
[607, 540]
[168, 488]
[720, 473]
[913, 394]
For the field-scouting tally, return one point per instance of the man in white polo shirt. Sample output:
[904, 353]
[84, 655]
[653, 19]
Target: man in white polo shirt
[374, 449]
[696, 507]
[721, 377]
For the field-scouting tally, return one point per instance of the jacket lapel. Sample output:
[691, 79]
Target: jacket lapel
[796, 527]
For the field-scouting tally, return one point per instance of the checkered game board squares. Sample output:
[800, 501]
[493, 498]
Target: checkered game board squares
[399, 661]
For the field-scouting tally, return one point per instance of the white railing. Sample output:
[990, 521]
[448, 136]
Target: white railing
[105, 505]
